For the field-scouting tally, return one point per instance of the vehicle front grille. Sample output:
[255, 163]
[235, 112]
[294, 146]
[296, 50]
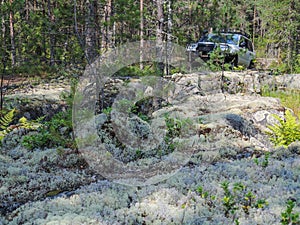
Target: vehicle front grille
[205, 47]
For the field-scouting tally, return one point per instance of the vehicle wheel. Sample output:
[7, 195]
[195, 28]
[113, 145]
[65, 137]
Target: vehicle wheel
[251, 65]
[234, 61]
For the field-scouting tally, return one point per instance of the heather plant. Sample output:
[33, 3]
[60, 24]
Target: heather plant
[286, 131]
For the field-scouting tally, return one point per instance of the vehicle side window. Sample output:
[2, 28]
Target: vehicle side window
[246, 43]
[242, 42]
[249, 45]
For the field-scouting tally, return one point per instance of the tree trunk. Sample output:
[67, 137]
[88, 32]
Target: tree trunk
[3, 29]
[141, 34]
[291, 35]
[12, 35]
[90, 32]
[107, 31]
[253, 22]
[159, 34]
[51, 35]
[169, 37]
[27, 10]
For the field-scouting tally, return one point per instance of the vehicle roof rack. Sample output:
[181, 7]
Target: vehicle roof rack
[235, 31]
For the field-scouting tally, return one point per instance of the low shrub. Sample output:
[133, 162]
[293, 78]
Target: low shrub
[288, 217]
[286, 131]
[53, 133]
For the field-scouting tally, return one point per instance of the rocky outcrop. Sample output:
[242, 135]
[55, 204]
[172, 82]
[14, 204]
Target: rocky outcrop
[287, 81]
[40, 100]
[221, 117]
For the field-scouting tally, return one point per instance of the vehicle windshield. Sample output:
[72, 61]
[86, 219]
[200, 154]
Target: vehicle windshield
[232, 38]
[213, 38]
[221, 38]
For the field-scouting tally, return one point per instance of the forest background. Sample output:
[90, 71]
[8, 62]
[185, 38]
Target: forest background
[46, 36]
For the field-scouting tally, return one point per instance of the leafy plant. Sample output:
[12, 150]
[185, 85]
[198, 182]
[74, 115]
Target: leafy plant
[216, 60]
[202, 193]
[239, 197]
[107, 111]
[5, 121]
[288, 217]
[54, 133]
[31, 125]
[177, 126]
[228, 200]
[264, 162]
[286, 131]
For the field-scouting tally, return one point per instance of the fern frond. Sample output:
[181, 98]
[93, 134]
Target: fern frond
[7, 119]
[24, 123]
[286, 131]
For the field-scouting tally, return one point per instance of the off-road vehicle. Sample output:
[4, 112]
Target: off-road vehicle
[236, 46]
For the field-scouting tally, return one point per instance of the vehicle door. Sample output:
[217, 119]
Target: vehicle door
[250, 55]
[243, 52]
[246, 53]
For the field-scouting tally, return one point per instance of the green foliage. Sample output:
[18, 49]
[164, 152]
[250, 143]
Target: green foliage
[288, 217]
[8, 118]
[228, 200]
[286, 131]
[202, 193]
[216, 60]
[289, 98]
[297, 63]
[135, 71]
[236, 197]
[54, 133]
[5, 121]
[30, 125]
[239, 68]
[107, 111]
[263, 162]
[176, 127]
[239, 198]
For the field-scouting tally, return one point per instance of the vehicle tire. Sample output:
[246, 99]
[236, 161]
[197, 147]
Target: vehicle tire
[251, 65]
[235, 60]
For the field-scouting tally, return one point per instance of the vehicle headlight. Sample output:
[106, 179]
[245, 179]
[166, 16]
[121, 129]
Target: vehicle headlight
[224, 47]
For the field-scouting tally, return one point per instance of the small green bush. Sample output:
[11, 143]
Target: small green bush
[288, 217]
[286, 131]
[236, 197]
[54, 133]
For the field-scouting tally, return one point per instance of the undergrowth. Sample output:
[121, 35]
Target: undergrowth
[286, 131]
[54, 133]
[288, 98]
